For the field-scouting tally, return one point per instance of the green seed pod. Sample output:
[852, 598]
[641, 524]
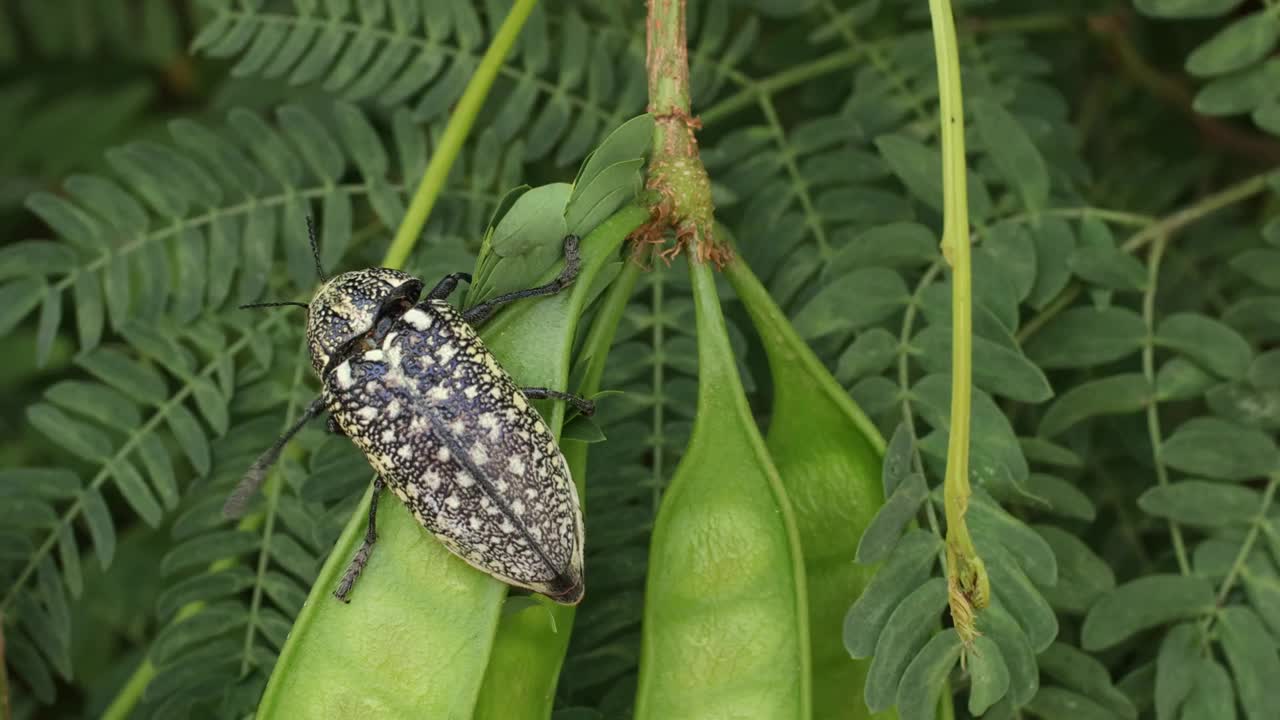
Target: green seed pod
[520, 680]
[725, 630]
[828, 455]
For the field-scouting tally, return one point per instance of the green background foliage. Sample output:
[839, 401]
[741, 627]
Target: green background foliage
[161, 158]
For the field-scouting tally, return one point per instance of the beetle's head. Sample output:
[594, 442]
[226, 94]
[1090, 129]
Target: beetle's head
[349, 306]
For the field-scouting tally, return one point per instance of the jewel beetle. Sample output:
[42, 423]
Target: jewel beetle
[406, 378]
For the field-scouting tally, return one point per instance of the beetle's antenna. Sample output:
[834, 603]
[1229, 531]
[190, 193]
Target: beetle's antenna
[274, 304]
[238, 501]
[315, 249]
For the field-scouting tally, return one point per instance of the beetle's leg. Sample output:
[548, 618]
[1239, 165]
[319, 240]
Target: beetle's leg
[366, 548]
[238, 501]
[333, 427]
[572, 263]
[584, 406]
[447, 284]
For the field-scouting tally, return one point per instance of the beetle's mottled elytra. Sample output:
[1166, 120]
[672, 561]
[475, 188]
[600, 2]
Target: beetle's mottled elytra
[445, 427]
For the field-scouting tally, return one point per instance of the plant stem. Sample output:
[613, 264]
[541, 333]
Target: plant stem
[5, 712]
[680, 189]
[455, 134]
[1118, 217]
[1165, 226]
[1149, 371]
[275, 483]
[1246, 547]
[1206, 206]
[781, 81]
[969, 588]
[1051, 21]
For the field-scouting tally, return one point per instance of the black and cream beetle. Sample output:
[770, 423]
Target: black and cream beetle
[445, 427]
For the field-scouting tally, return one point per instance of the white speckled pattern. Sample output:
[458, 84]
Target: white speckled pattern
[457, 441]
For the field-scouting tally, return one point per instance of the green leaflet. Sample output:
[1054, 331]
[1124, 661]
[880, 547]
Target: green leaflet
[1208, 342]
[1087, 336]
[1009, 145]
[726, 574]
[1197, 502]
[1251, 653]
[1126, 393]
[1016, 593]
[1218, 449]
[1211, 697]
[1238, 45]
[828, 457]
[1080, 672]
[1082, 575]
[925, 677]
[1020, 660]
[908, 566]
[1186, 8]
[909, 628]
[1143, 603]
[414, 594]
[1055, 703]
[989, 676]
[1177, 663]
[886, 527]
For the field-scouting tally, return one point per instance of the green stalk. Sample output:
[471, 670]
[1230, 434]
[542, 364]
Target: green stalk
[455, 134]
[969, 588]
[677, 179]
[1153, 409]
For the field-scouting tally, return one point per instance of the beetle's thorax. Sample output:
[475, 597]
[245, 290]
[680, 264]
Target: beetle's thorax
[349, 306]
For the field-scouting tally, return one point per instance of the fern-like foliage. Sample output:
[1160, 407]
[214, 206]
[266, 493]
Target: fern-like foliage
[846, 207]
[232, 591]
[566, 89]
[150, 275]
[143, 31]
[1126, 406]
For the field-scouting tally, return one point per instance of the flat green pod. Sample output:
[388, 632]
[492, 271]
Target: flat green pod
[828, 456]
[725, 631]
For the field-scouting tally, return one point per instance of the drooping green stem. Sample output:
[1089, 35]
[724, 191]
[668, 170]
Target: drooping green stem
[455, 134]
[966, 575]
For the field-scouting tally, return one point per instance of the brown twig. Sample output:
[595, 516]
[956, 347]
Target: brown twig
[678, 185]
[1113, 30]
